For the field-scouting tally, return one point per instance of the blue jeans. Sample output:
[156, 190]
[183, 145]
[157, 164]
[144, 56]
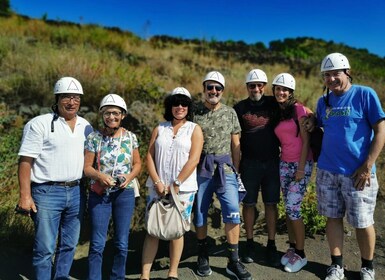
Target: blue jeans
[229, 200]
[120, 205]
[59, 211]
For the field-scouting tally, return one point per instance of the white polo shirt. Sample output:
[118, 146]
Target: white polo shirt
[59, 155]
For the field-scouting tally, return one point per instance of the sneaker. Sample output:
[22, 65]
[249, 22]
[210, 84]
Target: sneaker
[248, 256]
[272, 256]
[335, 272]
[367, 273]
[238, 270]
[203, 267]
[285, 258]
[295, 263]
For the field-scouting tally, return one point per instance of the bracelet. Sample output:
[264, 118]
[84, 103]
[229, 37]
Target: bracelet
[157, 182]
[300, 171]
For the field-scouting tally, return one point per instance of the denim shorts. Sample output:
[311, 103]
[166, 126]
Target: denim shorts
[259, 175]
[229, 200]
[337, 195]
[186, 198]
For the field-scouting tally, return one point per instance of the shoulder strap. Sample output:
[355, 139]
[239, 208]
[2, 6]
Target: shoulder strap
[176, 200]
[98, 154]
[296, 122]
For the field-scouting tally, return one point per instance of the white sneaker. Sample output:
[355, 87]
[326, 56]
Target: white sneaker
[295, 263]
[367, 274]
[335, 272]
[286, 257]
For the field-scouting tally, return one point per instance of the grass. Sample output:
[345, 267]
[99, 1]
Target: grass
[35, 53]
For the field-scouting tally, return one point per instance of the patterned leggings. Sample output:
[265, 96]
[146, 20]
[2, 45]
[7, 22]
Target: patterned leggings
[293, 191]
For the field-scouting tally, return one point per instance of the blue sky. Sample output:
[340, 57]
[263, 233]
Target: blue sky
[359, 24]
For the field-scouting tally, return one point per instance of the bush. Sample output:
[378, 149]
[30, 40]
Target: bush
[13, 227]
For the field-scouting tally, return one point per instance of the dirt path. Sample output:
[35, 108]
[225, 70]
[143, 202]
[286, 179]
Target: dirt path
[15, 264]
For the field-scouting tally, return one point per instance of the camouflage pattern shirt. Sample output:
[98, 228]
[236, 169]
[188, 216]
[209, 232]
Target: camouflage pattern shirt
[217, 127]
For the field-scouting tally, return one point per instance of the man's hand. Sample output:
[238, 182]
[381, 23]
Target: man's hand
[361, 177]
[309, 123]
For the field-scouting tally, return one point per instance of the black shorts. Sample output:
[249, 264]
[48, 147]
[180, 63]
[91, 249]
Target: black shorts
[260, 175]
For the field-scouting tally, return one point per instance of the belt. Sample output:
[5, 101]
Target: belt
[64, 184]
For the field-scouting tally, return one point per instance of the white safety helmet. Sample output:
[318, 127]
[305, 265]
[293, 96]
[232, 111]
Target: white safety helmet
[334, 61]
[256, 75]
[113, 100]
[68, 85]
[285, 80]
[215, 76]
[181, 90]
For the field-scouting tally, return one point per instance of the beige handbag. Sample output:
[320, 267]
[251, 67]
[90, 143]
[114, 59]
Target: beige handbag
[166, 218]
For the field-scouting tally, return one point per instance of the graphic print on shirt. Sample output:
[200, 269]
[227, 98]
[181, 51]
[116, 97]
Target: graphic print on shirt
[253, 122]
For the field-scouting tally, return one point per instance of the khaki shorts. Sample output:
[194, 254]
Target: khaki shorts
[336, 195]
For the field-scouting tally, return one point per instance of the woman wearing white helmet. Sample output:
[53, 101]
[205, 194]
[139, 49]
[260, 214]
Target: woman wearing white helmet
[112, 161]
[295, 166]
[172, 157]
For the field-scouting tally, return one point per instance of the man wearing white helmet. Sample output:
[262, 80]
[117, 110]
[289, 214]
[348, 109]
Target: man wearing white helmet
[217, 173]
[354, 134]
[259, 166]
[50, 168]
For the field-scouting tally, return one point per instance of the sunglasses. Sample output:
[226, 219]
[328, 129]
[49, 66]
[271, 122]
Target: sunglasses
[211, 87]
[253, 86]
[180, 103]
[113, 113]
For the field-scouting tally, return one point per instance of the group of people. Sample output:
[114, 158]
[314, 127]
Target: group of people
[202, 149]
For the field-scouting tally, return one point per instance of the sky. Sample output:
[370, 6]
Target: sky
[358, 24]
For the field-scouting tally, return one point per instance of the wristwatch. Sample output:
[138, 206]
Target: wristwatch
[177, 183]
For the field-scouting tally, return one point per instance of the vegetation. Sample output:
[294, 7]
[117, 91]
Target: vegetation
[35, 53]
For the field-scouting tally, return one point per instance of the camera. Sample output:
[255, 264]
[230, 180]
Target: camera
[119, 180]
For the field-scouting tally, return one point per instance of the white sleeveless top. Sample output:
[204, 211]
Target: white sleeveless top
[172, 153]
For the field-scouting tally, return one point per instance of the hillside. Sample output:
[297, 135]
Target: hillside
[35, 53]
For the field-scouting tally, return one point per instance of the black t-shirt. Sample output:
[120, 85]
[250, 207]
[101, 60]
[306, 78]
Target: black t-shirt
[258, 140]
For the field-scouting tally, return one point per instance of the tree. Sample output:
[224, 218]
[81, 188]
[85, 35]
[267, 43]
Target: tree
[4, 8]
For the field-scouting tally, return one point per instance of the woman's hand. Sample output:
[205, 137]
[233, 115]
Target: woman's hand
[160, 188]
[106, 180]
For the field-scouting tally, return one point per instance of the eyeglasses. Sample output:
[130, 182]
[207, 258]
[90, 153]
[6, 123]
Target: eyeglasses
[66, 98]
[253, 86]
[181, 103]
[335, 74]
[113, 113]
[211, 87]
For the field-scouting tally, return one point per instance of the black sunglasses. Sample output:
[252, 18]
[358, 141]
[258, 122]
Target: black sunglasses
[181, 103]
[253, 86]
[211, 87]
